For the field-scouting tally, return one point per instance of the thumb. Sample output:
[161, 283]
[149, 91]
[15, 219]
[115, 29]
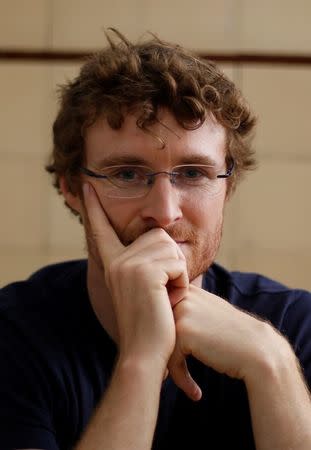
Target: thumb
[180, 374]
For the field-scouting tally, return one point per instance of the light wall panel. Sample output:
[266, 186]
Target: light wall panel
[201, 25]
[80, 24]
[19, 263]
[275, 207]
[281, 98]
[23, 204]
[25, 24]
[276, 25]
[25, 126]
[288, 266]
[267, 222]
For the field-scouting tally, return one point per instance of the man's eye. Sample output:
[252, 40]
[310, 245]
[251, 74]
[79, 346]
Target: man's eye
[192, 172]
[196, 175]
[126, 174]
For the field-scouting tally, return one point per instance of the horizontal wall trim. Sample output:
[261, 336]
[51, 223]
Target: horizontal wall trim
[276, 157]
[237, 58]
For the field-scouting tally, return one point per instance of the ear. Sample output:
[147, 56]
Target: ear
[73, 200]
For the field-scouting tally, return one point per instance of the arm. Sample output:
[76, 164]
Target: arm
[242, 346]
[136, 277]
[126, 417]
[280, 402]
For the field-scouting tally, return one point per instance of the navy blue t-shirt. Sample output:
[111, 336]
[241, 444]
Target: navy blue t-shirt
[56, 361]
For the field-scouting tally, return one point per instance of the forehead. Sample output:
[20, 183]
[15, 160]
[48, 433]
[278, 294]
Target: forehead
[103, 144]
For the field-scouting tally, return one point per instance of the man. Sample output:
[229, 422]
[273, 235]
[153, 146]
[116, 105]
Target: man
[149, 344]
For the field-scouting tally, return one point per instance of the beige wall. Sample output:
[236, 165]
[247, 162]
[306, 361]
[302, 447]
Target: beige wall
[268, 222]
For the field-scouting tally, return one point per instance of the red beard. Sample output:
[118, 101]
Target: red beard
[200, 251]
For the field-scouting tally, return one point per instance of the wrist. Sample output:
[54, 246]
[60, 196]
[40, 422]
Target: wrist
[273, 358]
[143, 367]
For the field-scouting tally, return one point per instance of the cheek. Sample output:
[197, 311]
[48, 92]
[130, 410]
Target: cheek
[119, 212]
[205, 213]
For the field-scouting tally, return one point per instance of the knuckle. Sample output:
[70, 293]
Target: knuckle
[97, 234]
[183, 264]
[182, 317]
[183, 326]
[119, 269]
[184, 311]
[170, 249]
[141, 269]
[161, 235]
[113, 270]
[163, 238]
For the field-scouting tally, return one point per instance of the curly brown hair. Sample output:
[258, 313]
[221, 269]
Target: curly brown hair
[143, 78]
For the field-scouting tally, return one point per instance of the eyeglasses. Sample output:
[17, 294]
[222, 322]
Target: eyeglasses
[135, 181]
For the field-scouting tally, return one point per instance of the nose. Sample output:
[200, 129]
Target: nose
[161, 206]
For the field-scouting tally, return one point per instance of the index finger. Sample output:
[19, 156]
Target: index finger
[107, 241]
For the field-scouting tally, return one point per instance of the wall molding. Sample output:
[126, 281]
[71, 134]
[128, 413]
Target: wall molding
[24, 55]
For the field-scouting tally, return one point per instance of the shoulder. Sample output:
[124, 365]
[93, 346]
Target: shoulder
[41, 310]
[240, 287]
[35, 358]
[51, 354]
[38, 322]
[287, 309]
[42, 285]
[260, 295]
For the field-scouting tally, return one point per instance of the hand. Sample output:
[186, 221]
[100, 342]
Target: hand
[137, 277]
[218, 334]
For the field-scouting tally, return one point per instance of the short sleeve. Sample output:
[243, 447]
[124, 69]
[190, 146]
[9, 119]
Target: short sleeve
[25, 400]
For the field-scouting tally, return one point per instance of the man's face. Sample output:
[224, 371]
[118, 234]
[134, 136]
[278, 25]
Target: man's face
[193, 220]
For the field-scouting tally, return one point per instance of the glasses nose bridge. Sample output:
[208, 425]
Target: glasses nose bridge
[162, 202]
[151, 176]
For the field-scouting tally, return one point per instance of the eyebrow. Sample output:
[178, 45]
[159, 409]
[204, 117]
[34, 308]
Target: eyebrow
[199, 159]
[116, 160]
